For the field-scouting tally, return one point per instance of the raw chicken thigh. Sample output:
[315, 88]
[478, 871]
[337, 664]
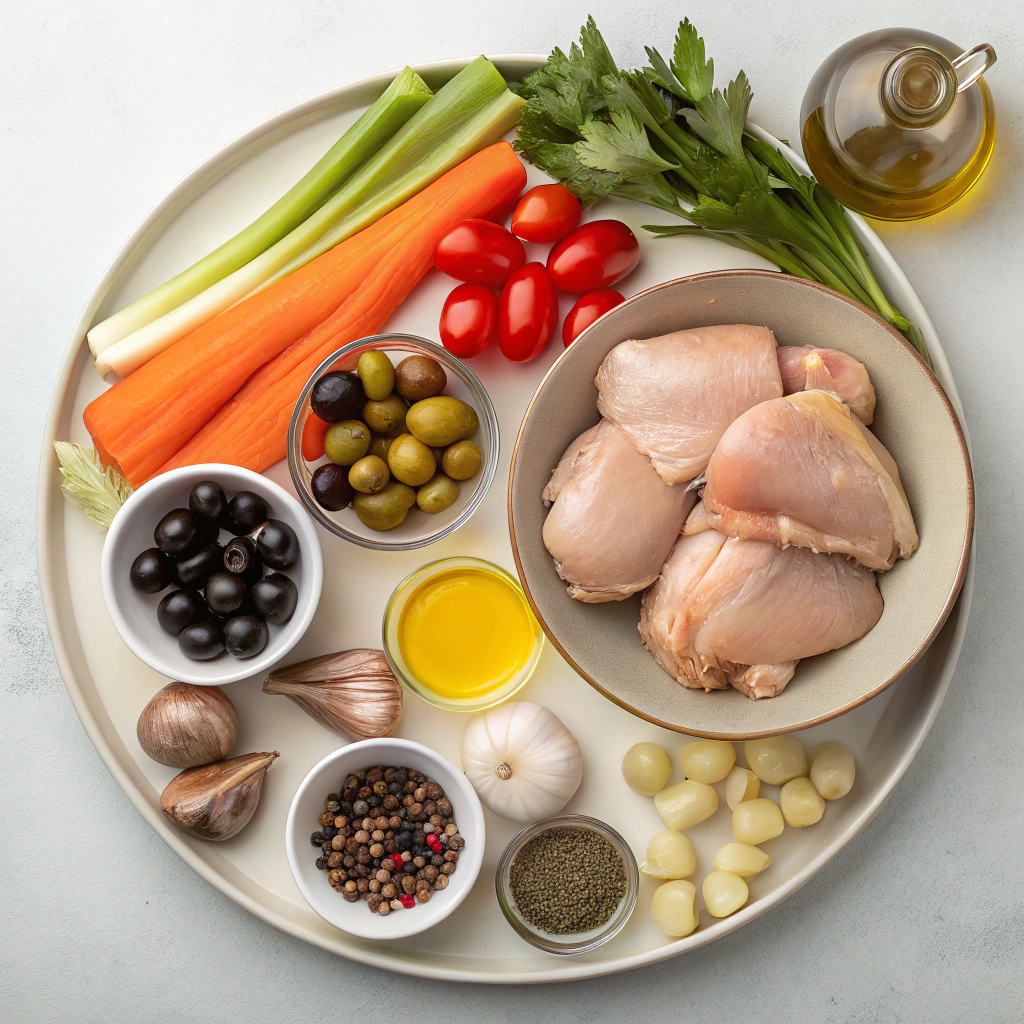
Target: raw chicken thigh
[806, 368]
[801, 470]
[743, 613]
[674, 395]
[614, 520]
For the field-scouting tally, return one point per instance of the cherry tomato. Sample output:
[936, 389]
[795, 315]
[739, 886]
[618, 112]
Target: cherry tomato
[587, 309]
[468, 319]
[479, 252]
[527, 313]
[546, 213]
[314, 430]
[593, 256]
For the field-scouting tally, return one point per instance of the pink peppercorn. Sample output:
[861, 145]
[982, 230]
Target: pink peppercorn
[408, 901]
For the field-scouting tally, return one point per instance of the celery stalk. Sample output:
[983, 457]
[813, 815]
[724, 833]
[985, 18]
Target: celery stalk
[400, 101]
[470, 112]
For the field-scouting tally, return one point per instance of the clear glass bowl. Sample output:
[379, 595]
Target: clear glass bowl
[580, 942]
[393, 651]
[418, 529]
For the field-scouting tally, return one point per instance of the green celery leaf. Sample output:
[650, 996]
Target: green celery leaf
[630, 92]
[661, 74]
[719, 119]
[621, 147]
[562, 163]
[596, 54]
[654, 191]
[780, 167]
[689, 65]
[755, 212]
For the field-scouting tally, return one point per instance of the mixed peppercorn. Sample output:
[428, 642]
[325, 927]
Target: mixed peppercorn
[389, 838]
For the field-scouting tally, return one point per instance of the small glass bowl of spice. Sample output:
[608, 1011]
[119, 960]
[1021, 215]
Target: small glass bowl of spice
[567, 884]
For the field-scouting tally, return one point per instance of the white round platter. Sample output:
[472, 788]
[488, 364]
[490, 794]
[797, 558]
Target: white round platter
[109, 686]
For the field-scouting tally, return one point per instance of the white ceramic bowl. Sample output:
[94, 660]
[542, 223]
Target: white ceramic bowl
[134, 614]
[308, 804]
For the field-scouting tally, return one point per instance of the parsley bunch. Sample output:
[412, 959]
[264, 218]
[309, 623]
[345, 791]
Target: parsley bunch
[667, 137]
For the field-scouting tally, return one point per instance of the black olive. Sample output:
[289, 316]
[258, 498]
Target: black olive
[202, 640]
[243, 559]
[194, 571]
[337, 396]
[181, 608]
[331, 488]
[177, 533]
[275, 597]
[245, 512]
[245, 635]
[277, 544]
[208, 500]
[208, 529]
[225, 593]
[151, 571]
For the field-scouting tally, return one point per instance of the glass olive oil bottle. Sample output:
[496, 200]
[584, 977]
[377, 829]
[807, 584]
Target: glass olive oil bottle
[898, 124]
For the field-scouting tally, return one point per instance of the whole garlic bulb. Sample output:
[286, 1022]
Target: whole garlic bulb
[522, 761]
[183, 725]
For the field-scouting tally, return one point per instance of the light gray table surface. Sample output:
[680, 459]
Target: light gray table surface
[103, 107]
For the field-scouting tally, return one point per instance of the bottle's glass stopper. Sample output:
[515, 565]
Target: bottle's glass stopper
[920, 84]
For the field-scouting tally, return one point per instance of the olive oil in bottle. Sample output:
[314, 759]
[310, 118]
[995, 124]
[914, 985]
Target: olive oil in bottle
[899, 124]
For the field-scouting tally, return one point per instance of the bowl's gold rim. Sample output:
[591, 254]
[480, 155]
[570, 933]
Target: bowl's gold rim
[964, 554]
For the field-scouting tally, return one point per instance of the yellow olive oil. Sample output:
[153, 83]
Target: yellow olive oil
[465, 632]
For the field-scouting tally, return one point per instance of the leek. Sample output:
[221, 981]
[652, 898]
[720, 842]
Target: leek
[470, 112]
[402, 98]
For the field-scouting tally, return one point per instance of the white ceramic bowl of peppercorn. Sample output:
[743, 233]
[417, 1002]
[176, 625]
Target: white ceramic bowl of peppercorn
[327, 778]
[134, 614]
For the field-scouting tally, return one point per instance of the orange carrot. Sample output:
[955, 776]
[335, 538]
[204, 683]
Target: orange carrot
[168, 409]
[314, 434]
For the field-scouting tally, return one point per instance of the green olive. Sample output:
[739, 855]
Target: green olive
[369, 475]
[377, 375]
[386, 416]
[442, 420]
[437, 494]
[347, 442]
[419, 377]
[411, 461]
[387, 508]
[461, 460]
[380, 445]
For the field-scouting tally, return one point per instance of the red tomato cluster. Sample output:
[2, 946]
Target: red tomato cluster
[486, 256]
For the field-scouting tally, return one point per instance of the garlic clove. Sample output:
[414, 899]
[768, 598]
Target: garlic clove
[183, 725]
[215, 801]
[353, 693]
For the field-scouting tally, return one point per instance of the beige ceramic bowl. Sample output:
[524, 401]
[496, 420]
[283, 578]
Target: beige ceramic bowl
[913, 419]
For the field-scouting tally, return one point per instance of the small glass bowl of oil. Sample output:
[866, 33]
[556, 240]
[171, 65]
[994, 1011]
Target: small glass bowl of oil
[461, 635]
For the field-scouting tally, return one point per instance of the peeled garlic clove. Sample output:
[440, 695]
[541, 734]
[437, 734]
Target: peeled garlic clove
[741, 784]
[673, 910]
[183, 725]
[669, 855]
[215, 801]
[353, 693]
[686, 804]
